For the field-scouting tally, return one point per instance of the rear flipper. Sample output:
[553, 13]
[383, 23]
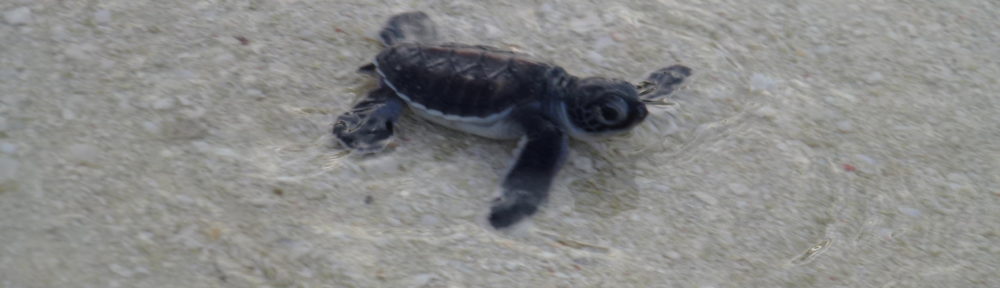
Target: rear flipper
[367, 128]
[662, 82]
[408, 27]
[527, 184]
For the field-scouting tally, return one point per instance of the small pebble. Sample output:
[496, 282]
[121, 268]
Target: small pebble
[596, 58]
[874, 78]
[82, 153]
[429, 220]
[867, 164]
[243, 40]
[957, 178]
[583, 163]
[585, 25]
[909, 211]
[845, 126]
[121, 270]
[742, 204]
[672, 255]
[823, 50]
[102, 16]
[603, 42]
[80, 52]
[8, 168]
[8, 148]
[866, 159]
[959, 182]
[164, 103]
[420, 280]
[59, 33]
[766, 112]
[739, 188]
[884, 233]
[704, 197]
[17, 16]
[393, 221]
[182, 128]
[839, 98]
[67, 114]
[151, 127]
[760, 82]
[254, 93]
[850, 168]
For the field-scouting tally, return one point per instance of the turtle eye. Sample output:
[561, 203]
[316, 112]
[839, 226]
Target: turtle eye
[612, 111]
[608, 113]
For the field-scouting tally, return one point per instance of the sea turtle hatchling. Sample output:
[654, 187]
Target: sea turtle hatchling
[495, 94]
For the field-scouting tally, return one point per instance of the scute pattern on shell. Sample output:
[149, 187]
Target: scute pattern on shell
[464, 80]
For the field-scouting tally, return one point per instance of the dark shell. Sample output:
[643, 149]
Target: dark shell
[465, 80]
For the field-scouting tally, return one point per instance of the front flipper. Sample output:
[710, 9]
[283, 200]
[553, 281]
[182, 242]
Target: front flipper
[367, 128]
[527, 183]
[662, 82]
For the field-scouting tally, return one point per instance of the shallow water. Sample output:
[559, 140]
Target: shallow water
[846, 144]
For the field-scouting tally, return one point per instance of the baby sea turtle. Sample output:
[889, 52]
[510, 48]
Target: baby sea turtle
[496, 94]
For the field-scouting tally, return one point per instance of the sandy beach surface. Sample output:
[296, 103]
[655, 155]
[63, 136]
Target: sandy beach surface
[186, 144]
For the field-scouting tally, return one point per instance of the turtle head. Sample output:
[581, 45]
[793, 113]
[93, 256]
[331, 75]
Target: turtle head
[599, 107]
